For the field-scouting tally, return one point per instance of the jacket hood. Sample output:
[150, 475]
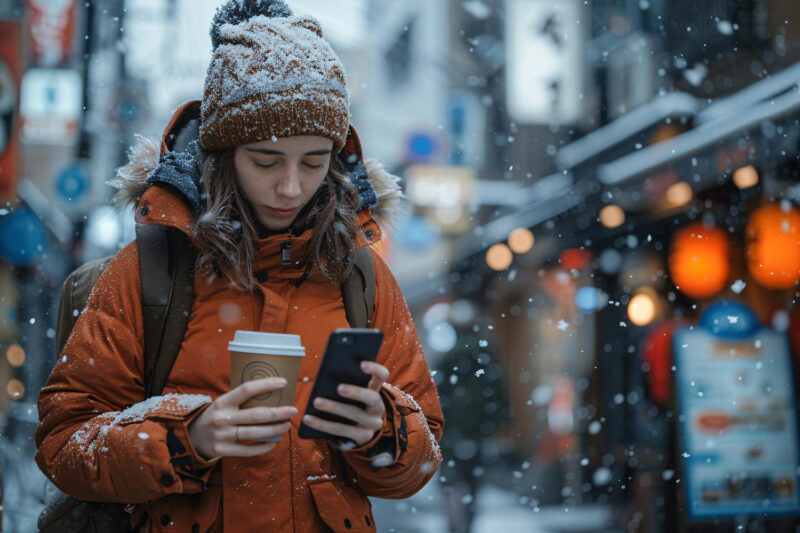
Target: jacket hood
[379, 191]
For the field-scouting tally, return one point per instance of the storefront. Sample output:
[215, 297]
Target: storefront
[637, 241]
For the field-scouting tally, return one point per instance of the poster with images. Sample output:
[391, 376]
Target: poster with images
[737, 422]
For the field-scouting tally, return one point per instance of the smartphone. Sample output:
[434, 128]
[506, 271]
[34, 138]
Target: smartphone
[341, 364]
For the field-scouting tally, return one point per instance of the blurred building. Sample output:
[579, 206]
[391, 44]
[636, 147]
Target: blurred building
[551, 152]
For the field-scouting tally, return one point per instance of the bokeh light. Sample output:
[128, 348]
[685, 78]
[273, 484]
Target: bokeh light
[699, 260]
[521, 240]
[15, 389]
[746, 177]
[499, 257]
[642, 308]
[612, 216]
[773, 246]
[679, 194]
[15, 355]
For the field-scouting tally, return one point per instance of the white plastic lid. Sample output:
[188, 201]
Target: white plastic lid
[266, 343]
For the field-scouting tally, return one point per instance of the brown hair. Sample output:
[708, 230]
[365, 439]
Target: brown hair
[226, 232]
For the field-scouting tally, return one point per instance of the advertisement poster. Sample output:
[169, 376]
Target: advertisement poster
[51, 30]
[10, 73]
[738, 428]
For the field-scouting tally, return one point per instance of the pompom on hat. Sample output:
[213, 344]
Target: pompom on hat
[271, 75]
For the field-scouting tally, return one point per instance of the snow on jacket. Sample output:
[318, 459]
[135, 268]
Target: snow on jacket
[98, 440]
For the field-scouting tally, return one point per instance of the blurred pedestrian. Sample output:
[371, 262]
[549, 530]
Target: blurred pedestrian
[274, 197]
[475, 402]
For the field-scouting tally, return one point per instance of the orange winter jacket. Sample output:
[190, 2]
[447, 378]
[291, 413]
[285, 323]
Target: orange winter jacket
[98, 440]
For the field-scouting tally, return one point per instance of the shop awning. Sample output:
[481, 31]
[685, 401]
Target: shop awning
[756, 125]
[774, 120]
[676, 105]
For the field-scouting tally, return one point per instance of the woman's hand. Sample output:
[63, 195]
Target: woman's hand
[216, 431]
[368, 420]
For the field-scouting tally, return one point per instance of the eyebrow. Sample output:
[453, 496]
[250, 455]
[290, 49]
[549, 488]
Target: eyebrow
[267, 151]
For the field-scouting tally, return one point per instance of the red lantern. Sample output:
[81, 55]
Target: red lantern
[699, 260]
[773, 246]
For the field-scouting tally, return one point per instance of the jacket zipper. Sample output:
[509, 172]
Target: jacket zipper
[286, 252]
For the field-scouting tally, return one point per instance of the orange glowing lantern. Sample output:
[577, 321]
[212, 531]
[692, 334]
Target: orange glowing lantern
[773, 246]
[698, 261]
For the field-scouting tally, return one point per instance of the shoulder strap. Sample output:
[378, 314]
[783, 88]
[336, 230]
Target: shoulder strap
[358, 290]
[74, 294]
[166, 267]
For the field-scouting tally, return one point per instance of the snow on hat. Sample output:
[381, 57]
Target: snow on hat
[272, 75]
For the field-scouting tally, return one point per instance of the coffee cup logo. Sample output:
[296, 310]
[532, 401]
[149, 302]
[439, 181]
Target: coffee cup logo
[260, 370]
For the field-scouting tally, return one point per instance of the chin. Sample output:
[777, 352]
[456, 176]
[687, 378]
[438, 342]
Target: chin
[277, 225]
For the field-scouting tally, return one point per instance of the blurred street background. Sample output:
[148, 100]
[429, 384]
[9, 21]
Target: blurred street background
[602, 255]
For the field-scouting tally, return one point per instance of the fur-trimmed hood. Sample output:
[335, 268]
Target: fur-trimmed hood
[131, 180]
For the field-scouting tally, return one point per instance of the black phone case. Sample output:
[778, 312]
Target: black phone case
[341, 364]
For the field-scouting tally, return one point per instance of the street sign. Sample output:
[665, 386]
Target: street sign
[424, 147]
[129, 107]
[546, 60]
[51, 106]
[444, 192]
[23, 237]
[72, 184]
[738, 425]
[10, 73]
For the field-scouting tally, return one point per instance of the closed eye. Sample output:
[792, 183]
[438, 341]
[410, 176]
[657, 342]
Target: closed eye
[314, 166]
[260, 165]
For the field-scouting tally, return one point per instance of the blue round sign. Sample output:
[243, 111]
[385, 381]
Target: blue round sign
[72, 184]
[730, 320]
[422, 147]
[23, 237]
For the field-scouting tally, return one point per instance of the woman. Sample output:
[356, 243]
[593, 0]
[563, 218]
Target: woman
[274, 204]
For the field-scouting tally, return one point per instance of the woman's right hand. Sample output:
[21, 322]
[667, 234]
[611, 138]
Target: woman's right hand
[216, 432]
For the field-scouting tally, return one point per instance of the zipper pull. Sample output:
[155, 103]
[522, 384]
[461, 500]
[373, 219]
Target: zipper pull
[286, 252]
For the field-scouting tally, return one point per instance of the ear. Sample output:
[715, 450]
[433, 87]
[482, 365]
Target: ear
[309, 24]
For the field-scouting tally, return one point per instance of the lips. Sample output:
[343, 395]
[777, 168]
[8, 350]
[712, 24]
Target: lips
[283, 212]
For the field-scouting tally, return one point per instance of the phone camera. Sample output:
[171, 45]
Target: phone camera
[344, 339]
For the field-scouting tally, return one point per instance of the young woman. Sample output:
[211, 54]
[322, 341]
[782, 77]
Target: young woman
[275, 203]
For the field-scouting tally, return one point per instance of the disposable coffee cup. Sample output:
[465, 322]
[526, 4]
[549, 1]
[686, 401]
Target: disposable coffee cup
[257, 355]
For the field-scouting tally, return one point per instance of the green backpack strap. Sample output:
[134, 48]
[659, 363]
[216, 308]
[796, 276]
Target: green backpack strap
[166, 267]
[358, 290]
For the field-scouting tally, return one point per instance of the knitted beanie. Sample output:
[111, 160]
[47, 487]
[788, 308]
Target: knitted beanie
[271, 75]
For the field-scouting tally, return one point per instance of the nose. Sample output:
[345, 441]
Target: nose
[289, 184]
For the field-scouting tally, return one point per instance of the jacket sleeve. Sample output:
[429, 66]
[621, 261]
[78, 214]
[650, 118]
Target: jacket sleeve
[414, 422]
[97, 439]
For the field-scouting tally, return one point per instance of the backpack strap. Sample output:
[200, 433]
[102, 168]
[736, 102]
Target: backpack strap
[166, 268]
[358, 290]
[74, 294]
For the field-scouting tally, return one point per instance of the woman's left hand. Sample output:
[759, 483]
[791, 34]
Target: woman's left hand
[368, 421]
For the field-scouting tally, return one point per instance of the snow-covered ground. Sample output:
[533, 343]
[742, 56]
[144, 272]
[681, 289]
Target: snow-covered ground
[497, 511]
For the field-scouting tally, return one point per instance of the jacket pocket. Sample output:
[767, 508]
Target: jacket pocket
[343, 510]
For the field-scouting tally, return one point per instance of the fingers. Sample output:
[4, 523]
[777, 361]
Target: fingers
[248, 389]
[372, 421]
[357, 434]
[369, 397]
[256, 432]
[253, 415]
[378, 372]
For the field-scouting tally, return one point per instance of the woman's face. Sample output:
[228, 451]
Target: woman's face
[280, 177]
